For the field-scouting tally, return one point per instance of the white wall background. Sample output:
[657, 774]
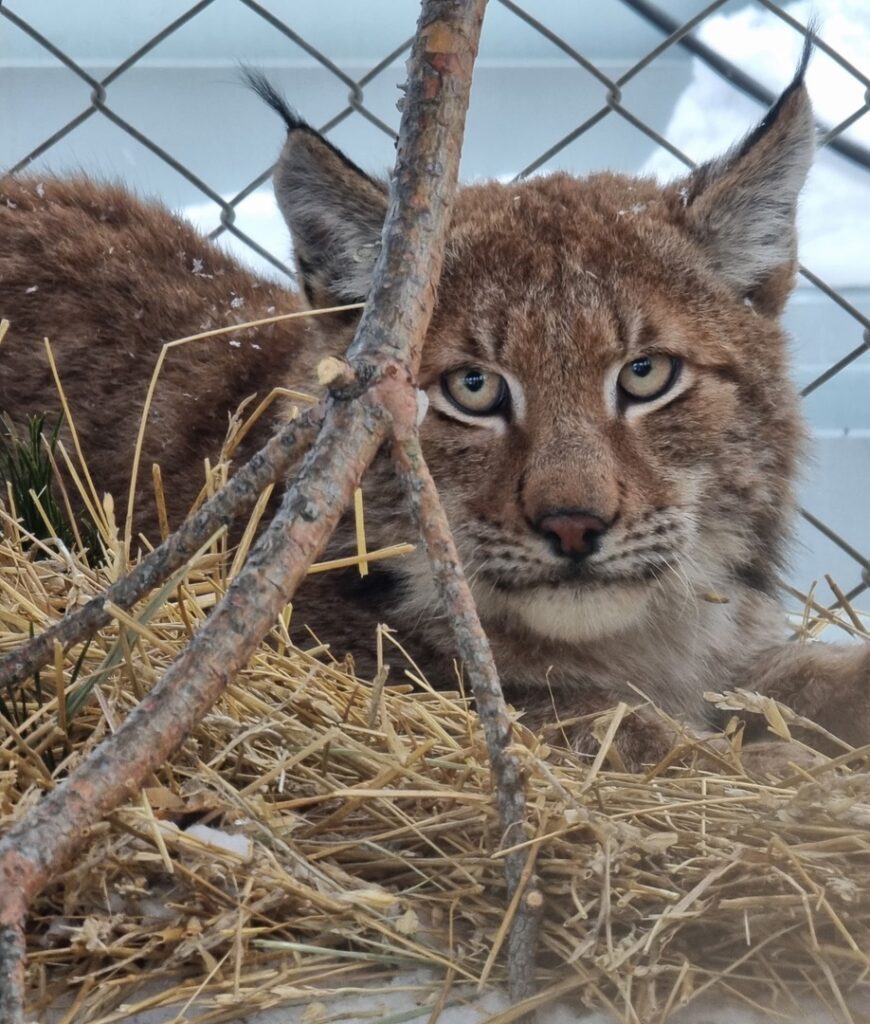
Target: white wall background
[186, 96]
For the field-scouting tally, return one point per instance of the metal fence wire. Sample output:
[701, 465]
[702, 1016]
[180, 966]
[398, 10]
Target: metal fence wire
[674, 34]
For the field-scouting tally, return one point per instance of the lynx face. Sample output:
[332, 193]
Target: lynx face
[611, 423]
[606, 419]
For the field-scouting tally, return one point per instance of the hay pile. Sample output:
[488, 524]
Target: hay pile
[363, 825]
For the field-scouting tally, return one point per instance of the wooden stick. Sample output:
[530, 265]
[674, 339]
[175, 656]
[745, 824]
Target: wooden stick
[473, 648]
[358, 417]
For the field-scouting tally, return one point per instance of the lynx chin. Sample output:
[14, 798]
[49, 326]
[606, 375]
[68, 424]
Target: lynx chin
[611, 422]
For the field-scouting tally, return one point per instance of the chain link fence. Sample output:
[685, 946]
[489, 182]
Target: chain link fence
[613, 102]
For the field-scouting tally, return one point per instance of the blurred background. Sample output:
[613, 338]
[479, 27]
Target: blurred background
[149, 94]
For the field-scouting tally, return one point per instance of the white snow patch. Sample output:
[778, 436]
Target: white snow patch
[422, 406]
[237, 844]
[258, 217]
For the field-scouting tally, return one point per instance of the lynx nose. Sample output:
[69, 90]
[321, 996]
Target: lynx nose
[577, 532]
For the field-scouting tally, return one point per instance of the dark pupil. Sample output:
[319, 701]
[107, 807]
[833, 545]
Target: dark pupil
[474, 380]
[641, 367]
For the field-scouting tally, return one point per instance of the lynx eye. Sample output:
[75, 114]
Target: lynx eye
[475, 391]
[648, 377]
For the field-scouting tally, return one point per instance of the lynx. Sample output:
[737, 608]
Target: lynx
[612, 425]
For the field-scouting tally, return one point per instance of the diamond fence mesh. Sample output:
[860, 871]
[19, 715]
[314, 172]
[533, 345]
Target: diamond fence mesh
[610, 89]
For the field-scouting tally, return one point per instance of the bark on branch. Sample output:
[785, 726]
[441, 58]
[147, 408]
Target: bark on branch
[379, 405]
[476, 656]
[238, 496]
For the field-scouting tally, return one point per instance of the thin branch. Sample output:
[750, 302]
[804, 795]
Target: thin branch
[237, 497]
[476, 656]
[444, 50]
[408, 268]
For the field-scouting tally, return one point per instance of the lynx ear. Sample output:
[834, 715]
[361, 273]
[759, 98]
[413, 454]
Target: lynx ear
[334, 210]
[742, 207]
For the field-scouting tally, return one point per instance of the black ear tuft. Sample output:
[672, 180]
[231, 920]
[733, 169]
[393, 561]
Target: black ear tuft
[267, 92]
[796, 84]
[334, 210]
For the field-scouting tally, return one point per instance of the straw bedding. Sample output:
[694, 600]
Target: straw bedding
[363, 829]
